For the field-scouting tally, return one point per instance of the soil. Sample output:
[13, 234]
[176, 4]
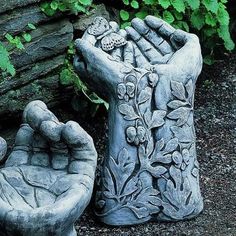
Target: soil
[215, 120]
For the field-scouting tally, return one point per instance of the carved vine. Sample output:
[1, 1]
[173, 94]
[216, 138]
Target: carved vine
[161, 160]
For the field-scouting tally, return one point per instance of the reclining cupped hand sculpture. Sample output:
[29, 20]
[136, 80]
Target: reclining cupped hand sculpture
[148, 74]
[48, 178]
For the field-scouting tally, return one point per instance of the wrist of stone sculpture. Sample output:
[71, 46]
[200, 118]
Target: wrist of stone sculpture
[151, 171]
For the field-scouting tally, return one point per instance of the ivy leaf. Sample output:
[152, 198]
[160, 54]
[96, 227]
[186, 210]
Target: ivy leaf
[144, 95]
[222, 15]
[5, 63]
[127, 111]
[126, 2]
[210, 19]
[197, 19]
[178, 15]
[164, 3]
[178, 90]
[178, 5]
[168, 17]
[86, 2]
[211, 5]
[54, 5]
[27, 37]
[124, 15]
[134, 4]
[194, 4]
[31, 26]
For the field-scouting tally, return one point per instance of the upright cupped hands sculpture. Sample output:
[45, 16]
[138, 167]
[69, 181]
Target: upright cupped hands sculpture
[148, 74]
[48, 178]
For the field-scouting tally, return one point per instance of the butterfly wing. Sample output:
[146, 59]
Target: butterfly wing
[98, 26]
[118, 39]
[109, 42]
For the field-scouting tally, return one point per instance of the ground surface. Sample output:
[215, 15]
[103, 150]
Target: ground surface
[215, 119]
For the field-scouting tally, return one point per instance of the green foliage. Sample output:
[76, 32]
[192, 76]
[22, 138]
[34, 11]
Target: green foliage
[72, 6]
[6, 66]
[69, 77]
[209, 19]
[5, 63]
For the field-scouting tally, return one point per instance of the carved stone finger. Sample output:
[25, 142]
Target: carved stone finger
[23, 141]
[40, 156]
[140, 59]
[161, 27]
[129, 53]
[145, 47]
[83, 152]
[59, 153]
[160, 44]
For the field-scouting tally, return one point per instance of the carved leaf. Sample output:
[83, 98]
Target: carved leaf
[127, 111]
[140, 212]
[156, 171]
[144, 95]
[157, 119]
[184, 134]
[177, 158]
[178, 90]
[165, 159]
[122, 170]
[148, 197]
[171, 145]
[108, 182]
[189, 88]
[186, 156]
[159, 145]
[181, 114]
[176, 104]
[180, 199]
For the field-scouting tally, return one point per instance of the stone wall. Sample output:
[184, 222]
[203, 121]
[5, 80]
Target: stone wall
[39, 65]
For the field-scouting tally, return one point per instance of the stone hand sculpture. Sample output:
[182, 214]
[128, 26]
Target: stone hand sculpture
[151, 171]
[48, 178]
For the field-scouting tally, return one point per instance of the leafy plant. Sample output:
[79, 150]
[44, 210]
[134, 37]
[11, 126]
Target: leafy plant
[16, 41]
[69, 77]
[5, 63]
[73, 6]
[209, 19]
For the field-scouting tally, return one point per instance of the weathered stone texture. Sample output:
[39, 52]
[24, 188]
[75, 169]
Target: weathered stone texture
[11, 4]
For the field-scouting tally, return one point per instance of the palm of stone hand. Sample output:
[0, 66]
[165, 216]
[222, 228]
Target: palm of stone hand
[48, 178]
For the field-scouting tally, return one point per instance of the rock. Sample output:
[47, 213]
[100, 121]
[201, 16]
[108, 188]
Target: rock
[11, 4]
[47, 89]
[30, 73]
[84, 21]
[3, 148]
[48, 40]
[18, 19]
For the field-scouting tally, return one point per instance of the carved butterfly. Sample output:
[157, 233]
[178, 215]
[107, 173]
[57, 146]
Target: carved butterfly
[104, 32]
